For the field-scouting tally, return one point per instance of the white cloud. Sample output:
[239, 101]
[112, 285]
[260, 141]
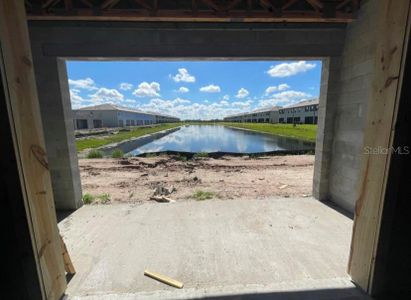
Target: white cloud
[125, 86]
[185, 109]
[242, 93]
[76, 100]
[183, 76]
[276, 88]
[183, 90]
[284, 98]
[210, 89]
[146, 89]
[243, 104]
[290, 69]
[226, 97]
[106, 95]
[86, 84]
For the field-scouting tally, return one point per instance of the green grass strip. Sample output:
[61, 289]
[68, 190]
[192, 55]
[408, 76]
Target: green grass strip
[307, 132]
[95, 142]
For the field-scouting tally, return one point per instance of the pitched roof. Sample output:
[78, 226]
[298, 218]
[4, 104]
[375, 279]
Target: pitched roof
[265, 109]
[110, 106]
[303, 103]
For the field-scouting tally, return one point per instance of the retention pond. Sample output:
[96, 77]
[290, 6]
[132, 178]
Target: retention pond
[217, 138]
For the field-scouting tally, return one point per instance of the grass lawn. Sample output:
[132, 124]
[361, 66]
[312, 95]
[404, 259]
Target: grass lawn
[306, 132]
[89, 143]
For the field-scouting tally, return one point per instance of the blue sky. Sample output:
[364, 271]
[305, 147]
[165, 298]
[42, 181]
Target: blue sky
[193, 89]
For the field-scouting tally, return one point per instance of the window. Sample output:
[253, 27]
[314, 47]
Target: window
[97, 123]
[81, 124]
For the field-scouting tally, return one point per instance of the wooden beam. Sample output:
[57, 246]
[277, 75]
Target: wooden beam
[232, 4]
[68, 4]
[391, 33]
[50, 3]
[161, 16]
[109, 4]
[343, 3]
[288, 4]
[24, 112]
[87, 3]
[212, 5]
[143, 4]
[315, 4]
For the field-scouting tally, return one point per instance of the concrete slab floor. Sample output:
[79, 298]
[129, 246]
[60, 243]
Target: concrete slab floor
[287, 248]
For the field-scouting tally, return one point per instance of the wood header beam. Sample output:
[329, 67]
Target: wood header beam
[312, 11]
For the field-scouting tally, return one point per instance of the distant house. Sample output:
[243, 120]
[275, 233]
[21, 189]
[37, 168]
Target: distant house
[264, 115]
[110, 115]
[305, 112]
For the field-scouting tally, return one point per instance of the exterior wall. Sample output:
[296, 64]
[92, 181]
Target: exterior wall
[256, 117]
[274, 116]
[350, 95]
[326, 113]
[288, 115]
[139, 119]
[108, 118]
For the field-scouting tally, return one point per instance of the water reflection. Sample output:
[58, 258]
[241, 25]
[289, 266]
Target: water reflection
[216, 138]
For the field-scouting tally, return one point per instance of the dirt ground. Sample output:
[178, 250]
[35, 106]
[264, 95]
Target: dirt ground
[136, 179]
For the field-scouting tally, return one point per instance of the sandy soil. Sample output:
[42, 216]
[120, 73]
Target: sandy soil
[136, 179]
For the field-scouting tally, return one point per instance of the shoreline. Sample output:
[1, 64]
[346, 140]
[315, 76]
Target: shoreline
[136, 179]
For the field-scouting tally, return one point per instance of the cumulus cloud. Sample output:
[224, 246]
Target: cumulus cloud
[183, 76]
[125, 86]
[290, 69]
[106, 95]
[183, 90]
[185, 109]
[102, 95]
[146, 89]
[85, 84]
[226, 97]
[76, 100]
[276, 88]
[210, 89]
[243, 104]
[284, 98]
[242, 93]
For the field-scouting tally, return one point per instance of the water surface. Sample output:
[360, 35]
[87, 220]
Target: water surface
[217, 138]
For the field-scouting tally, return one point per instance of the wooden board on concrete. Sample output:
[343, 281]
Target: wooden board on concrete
[391, 25]
[24, 112]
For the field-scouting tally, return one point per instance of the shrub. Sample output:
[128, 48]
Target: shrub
[200, 154]
[180, 157]
[203, 195]
[95, 154]
[88, 198]
[104, 198]
[118, 153]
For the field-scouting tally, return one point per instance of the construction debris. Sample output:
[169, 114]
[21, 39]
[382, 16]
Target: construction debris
[164, 279]
[162, 199]
[161, 190]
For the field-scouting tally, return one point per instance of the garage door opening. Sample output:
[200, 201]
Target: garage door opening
[209, 162]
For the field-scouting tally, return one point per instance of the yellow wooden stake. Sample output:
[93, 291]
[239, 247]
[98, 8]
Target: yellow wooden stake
[164, 279]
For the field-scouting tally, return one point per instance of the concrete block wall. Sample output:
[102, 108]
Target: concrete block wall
[53, 41]
[350, 94]
[55, 108]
